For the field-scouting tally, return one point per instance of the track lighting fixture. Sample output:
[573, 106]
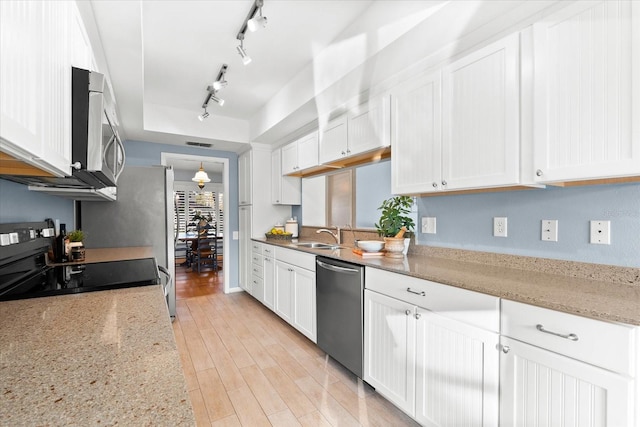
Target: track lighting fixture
[214, 98]
[246, 59]
[257, 22]
[252, 23]
[220, 81]
[204, 115]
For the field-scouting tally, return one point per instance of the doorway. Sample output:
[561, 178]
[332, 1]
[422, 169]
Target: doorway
[185, 166]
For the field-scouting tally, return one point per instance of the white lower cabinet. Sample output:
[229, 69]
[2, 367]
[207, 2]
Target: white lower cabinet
[540, 387]
[562, 369]
[269, 276]
[440, 371]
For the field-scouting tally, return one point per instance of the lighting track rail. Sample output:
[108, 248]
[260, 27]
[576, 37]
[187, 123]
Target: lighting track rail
[211, 88]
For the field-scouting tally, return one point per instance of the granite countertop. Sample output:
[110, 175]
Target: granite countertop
[590, 290]
[105, 357]
[93, 255]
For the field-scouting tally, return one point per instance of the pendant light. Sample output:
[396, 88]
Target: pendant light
[201, 177]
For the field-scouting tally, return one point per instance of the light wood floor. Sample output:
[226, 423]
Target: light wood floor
[244, 366]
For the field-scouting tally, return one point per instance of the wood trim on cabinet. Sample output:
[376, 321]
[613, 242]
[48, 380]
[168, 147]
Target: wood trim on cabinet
[9, 165]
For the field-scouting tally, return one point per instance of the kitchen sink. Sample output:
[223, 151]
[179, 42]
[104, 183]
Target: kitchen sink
[317, 245]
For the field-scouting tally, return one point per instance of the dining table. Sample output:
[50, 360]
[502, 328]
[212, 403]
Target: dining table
[192, 237]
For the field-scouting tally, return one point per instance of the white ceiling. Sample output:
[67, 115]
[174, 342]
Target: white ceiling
[161, 56]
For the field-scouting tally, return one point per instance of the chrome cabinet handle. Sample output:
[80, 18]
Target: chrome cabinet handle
[505, 349]
[444, 183]
[407, 312]
[417, 315]
[434, 185]
[539, 172]
[416, 292]
[572, 337]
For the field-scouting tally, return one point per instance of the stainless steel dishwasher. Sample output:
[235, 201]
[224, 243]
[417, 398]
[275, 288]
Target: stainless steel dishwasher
[339, 296]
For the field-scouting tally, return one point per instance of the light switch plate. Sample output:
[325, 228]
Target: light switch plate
[549, 229]
[429, 224]
[600, 232]
[235, 235]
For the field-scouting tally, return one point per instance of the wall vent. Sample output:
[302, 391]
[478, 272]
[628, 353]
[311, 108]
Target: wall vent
[199, 144]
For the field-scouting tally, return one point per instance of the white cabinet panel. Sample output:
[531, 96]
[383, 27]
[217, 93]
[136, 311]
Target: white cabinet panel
[289, 154]
[304, 302]
[308, 151]
[284, 291]
[481, 105]
[539, 387]
[245, 186]
[457, 373]
[269, 271]
[285, 190]
[368, 126]
[333, 140]
[244, 247]
[415, 137]
[389, 352]
[587, 92]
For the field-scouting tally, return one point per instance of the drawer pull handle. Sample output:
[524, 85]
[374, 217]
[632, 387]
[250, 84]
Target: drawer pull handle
[572, 337]
[416, 292]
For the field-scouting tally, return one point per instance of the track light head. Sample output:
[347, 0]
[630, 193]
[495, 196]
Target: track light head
[218, 84]
[220, 101]
[246, 59]
[257, 22]
[203, 116]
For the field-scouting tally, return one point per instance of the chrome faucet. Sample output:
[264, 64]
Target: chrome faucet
[335, 235]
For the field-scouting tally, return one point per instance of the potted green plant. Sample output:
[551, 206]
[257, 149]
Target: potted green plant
[76, 245]
[394, 219]
[200, 220]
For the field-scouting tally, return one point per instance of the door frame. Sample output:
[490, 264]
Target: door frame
[164, 160]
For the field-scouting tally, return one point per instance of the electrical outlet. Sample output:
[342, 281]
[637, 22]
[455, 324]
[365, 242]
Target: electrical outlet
[549, 230]
[429, 224]
[600, 232]
[500, 226]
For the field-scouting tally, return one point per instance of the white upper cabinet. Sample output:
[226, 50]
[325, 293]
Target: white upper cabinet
[480, 118]
[285, 190]
[415, 137]
[333, 140]
[40, 41]
[587, 92]
[362, 129]
[244, 178]
[300, 154]
[368, 126]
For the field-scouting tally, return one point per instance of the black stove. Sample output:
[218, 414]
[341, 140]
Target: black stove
[25, 274]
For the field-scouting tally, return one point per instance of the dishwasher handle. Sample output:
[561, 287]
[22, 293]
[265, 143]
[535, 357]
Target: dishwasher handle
[337, 268]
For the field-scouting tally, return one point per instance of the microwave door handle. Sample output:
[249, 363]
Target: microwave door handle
[105, 150]
[119, 166]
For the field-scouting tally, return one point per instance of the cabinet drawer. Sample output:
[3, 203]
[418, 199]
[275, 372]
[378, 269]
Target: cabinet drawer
[256, 282]
[467, 306]
[256, 247]
[609, 345]
[256, 258]
[297, 258]
[256, 270]
[268, 250]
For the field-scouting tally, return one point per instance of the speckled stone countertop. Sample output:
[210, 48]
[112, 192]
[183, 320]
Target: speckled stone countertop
[596, 291]
[105, 358]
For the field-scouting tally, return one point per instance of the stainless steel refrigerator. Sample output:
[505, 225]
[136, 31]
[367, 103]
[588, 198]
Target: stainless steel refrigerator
[142, 215]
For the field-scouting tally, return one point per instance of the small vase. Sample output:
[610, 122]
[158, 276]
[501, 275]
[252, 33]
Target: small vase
[394, 247]
[407, 241]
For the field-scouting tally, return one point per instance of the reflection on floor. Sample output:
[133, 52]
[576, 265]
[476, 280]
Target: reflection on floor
[245, 366]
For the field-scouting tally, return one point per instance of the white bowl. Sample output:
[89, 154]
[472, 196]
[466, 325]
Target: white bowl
[370, 245]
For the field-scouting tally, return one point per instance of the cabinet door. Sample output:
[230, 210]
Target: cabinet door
[276, 177]
[368, 126]
[59, 24]
[389, 349]
[587, 92]
[415, 136]
[20, 55]
[480, 127]
[304, 302]
[457, 368]
[284, 291]
[308, 151]
[269, 272]
[333, 140]
[244, 178]
[538, 387]
[290, 158]
[244, 245]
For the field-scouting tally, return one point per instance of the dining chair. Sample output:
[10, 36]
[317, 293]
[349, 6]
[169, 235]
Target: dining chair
[205, 253]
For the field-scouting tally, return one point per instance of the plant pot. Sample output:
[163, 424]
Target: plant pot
[76, 251]
[394, 247]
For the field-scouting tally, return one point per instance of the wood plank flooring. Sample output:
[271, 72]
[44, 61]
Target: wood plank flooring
[244, 366]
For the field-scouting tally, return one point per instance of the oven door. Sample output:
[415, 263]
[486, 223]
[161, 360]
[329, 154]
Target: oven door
[27, 275]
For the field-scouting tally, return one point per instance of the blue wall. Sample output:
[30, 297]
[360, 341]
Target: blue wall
[465, 221]
[141, 153]
[18, 204]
